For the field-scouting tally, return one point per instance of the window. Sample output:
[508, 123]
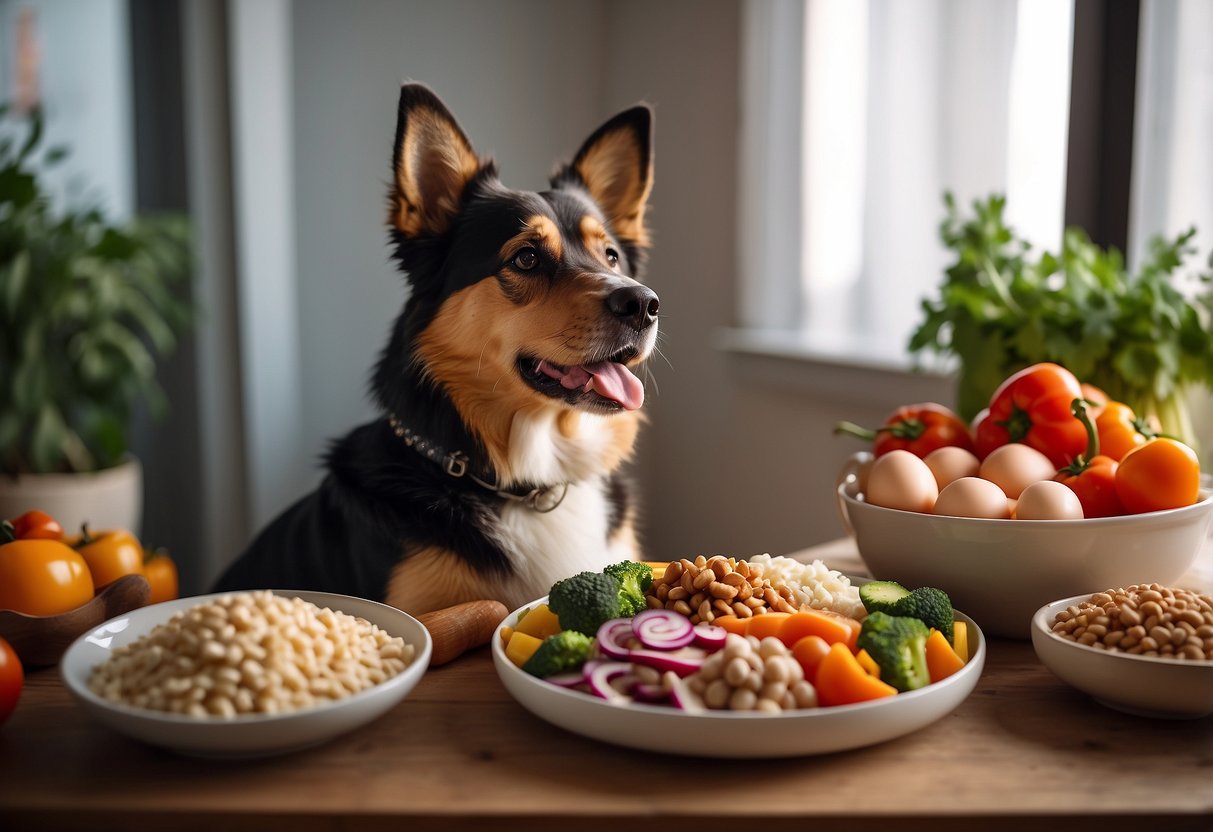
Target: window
[861, 113]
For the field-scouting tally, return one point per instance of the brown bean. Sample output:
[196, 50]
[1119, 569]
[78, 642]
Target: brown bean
[722, 590]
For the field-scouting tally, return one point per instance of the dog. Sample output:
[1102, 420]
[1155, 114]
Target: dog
[508, 386]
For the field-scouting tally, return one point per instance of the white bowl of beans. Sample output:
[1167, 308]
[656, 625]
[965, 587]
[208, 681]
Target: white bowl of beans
[247, 674]
[1002, 571]
[1145, 649]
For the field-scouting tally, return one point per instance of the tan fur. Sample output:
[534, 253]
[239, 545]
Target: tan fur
[618, 184]
[436, 162]
[471, 347]
[433, 579]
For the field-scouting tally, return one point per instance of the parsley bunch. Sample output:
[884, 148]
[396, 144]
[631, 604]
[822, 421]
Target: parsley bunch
[1142, 338]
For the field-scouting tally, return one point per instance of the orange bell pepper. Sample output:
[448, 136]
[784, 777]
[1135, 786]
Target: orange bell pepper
[1120, 430]
[841, 680]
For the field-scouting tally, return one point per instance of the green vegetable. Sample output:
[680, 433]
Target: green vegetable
[587, 600]
[1142, 338]
[929, 605]
[88, 307]
[634, 579]
[565, 651]
[899, 645]
[878, 596]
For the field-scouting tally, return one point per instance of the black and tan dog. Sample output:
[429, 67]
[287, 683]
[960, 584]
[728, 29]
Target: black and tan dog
[508, 397]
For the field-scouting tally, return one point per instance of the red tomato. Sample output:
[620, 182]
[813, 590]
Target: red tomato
[917, 428]
[12, 679]
[37, 525]
[1092, 475]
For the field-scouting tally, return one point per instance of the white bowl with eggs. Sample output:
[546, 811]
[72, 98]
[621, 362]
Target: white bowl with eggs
[1001, 571]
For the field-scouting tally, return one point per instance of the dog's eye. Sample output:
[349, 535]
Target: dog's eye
[612, 257]
[526, 259]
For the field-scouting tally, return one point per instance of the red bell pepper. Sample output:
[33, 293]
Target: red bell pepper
[1033, 406]
[1092, 476]
[917, 428]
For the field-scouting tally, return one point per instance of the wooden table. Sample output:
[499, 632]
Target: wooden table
[459, 753]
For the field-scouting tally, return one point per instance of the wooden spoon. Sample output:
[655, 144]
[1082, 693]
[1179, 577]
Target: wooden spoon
[41, 639]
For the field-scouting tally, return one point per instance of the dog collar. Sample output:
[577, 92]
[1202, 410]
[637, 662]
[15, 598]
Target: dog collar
[457, 464]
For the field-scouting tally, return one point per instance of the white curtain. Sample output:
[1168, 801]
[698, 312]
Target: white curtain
[857, 116]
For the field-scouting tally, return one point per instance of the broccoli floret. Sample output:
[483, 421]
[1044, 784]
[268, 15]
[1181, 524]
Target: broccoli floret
[565, 651]
[929, 605]
[585, 601]
[634, 580]
[899, 645]
[879, 596]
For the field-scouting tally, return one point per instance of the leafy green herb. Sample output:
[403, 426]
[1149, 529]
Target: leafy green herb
[1142, 338]
[86, 308]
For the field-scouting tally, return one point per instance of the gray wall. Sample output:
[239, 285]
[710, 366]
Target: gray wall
[524, 79]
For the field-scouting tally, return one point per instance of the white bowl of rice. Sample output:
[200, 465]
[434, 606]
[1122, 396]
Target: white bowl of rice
[247, 674]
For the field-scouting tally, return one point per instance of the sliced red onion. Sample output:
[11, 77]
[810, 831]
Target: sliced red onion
[645, 692]
[613, 637]
[710, 637]
[681, 665]
[603, 677]
[567, 680]
[663, 629]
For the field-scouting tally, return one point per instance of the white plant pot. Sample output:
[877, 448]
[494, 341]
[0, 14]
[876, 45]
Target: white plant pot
[107, 499]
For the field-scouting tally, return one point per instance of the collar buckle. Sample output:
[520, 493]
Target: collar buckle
[456, 463]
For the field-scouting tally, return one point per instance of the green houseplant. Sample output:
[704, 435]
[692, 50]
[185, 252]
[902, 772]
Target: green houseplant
[86, 308]
[1143, 338]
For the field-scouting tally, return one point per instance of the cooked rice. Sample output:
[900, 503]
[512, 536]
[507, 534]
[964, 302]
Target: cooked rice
[813, 584]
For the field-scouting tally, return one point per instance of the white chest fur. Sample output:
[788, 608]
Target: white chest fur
[545, 548]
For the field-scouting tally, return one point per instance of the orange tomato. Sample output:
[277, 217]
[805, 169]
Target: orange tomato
[841, 680]
[37, 525]
[42, 577]
[161, 573]
[1161, 474]
[809, 651]
[110, 555]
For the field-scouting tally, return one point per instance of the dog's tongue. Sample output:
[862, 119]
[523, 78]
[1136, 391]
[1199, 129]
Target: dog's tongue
[606, 378]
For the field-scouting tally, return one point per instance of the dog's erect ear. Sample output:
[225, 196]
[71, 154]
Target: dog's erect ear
[432, 163]
[616, 166]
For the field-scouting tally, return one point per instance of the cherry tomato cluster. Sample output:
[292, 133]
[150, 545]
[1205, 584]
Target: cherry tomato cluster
[1113, 460]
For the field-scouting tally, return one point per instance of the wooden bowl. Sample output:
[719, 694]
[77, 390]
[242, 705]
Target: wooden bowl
[41, 639]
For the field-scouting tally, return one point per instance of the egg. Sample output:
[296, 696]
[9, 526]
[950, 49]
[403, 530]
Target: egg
[901, 480]
[1048, 500]
[972, 497]
[1014, 467]
[950, 463]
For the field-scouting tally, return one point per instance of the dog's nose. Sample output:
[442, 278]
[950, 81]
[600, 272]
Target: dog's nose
[635, 305]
